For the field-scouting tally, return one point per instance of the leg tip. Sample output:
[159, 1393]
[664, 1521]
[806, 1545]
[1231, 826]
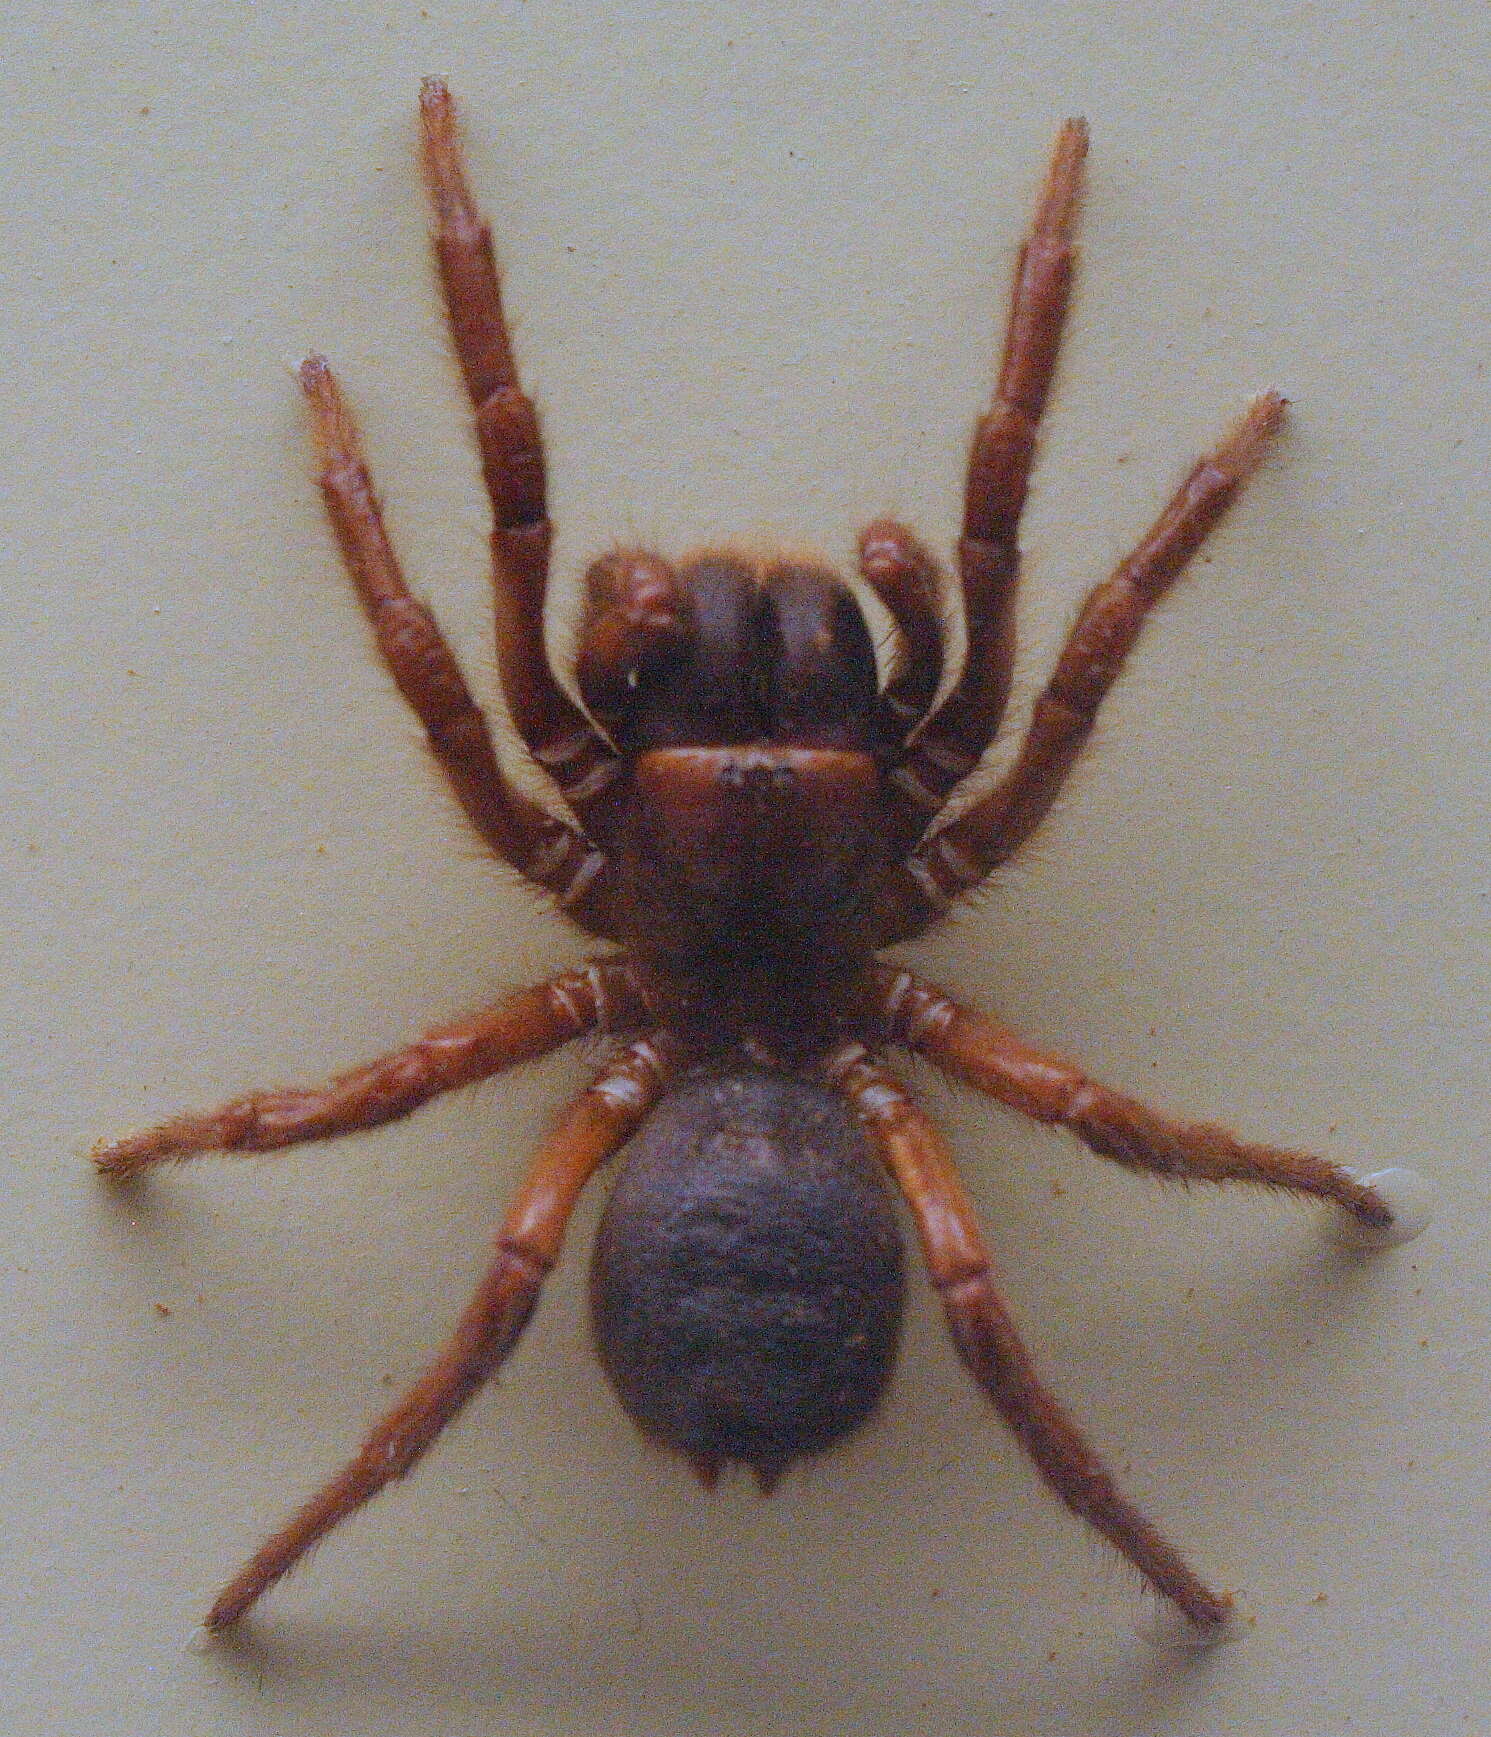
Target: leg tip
[434, 94]
[333, 430]
[1073, 137]
[1057, 204]
[114, 1161]
[441, 153]
[1410, 1198]
[1167, 1628]
[317, 381]
[1260, 422]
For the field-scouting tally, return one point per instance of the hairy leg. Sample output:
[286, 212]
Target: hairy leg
[525, 1026]
[989, 1342]
[953, 741]
[527, 1247]
[993, 1060]
[512, 454]
[522, 833]
[961, 855]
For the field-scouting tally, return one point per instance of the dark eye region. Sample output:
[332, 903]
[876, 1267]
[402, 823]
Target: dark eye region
[780, 654]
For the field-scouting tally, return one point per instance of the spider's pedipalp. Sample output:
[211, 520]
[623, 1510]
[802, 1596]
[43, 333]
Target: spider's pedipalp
[638, 618]
[904, 575]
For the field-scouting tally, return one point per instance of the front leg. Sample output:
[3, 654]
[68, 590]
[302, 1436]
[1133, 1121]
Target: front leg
[960, 856]
[520, 831]
[556, 731]
[523, 1027]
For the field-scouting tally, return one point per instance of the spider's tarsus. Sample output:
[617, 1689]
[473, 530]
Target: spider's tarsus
[1057, 201]
[202, 1639]
[1409, 1196]
[1168, 1628]
[334, 431]
[117, 1160]
[1244, 447]
[434, 92]
[441, 156]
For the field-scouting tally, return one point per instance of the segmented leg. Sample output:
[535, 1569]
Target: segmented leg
[527, 1247]
[525, 1026]
[522, 833]
[951, 744]
[984, 1055]
[988, 1341]
[512, 454]
[960, 856]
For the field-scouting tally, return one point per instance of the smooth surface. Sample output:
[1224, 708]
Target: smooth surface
[757, 258]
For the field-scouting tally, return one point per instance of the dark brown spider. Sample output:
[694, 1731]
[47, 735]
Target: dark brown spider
[755, 821]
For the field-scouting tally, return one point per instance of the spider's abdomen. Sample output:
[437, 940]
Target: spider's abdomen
[747, 1280]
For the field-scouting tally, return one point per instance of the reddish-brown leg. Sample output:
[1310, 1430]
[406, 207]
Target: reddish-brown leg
[951, 744]
[512, 455]
[904, 576]
[521, 832]
[527, 1247]
[960, 856]
[993, 1060]
[988, 1340]
[529, 1024]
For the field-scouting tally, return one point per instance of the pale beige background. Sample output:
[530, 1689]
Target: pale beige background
[757, 257]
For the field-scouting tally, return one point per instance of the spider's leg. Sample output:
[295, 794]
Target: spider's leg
[521, 832]
[958, 857]
[950, 745]
[993, 1060]
[989, 1342]
[525, 1026]
[556, 731]
[527, 1247]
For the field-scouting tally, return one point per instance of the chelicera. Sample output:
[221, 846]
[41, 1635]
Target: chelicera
[752, 816]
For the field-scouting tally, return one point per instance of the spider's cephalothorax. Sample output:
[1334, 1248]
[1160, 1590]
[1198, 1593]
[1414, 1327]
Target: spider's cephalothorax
[748, 820]
[751, 817]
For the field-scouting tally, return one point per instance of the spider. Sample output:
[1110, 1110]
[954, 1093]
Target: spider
[752, 816]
